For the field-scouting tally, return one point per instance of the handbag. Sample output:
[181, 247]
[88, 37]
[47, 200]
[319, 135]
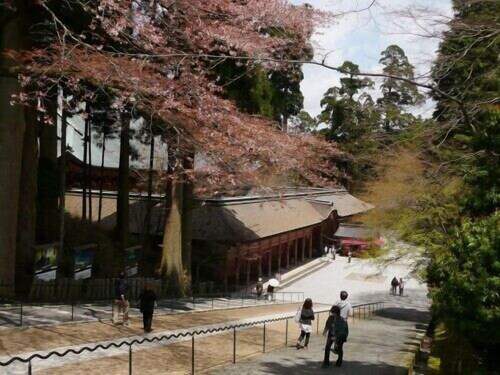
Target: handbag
[298, 315]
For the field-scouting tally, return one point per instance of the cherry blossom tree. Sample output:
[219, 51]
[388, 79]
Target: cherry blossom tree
[156, 59]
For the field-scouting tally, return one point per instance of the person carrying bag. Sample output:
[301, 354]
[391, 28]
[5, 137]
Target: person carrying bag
[305, 322]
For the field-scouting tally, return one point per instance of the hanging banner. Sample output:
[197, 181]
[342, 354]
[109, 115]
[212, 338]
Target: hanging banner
[46, 261]
[132, 260]
[84, 256]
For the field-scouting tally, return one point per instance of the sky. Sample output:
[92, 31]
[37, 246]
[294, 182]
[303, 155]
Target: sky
[361, 36]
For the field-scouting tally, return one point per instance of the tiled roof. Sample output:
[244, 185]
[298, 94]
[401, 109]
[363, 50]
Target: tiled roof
[356, 231]
[247, 221]
[137, 212]
[344, 203]
[237, 219]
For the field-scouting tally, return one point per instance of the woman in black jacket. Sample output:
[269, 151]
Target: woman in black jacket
[147, 306]
[305, 323]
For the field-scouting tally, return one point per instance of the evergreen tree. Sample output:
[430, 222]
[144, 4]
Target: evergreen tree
[397, 94]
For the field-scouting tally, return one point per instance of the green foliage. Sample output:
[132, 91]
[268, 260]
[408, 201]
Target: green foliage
[275, 95]
[447, 350]
[303, 122]
[397, 94]
[466, 279]
[395, 91]
[482, 171]
[465, 271]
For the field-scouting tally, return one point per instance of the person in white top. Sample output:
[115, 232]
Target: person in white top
[345, 307]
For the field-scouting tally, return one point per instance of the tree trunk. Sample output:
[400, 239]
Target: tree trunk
[84, 169]
[187, 221]
[149, 206]
[89, 170]
[122, 204]
[13, 123]
[48, 177]
[284, 124]
[63, 256]
[27, 207]
[171, 262]
[101, 182]
[148, 260]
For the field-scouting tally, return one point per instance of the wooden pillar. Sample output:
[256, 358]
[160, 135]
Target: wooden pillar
[259, 269]
[249, 264]
[225, 274]
[295, 262]
[303, 248]
[288, 254]
[279, 256]
[321, 240]
[238, 263]
[269, 262]
[310, 245]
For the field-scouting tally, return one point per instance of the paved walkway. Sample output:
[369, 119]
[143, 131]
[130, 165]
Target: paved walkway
[382, 345]
[377, 346]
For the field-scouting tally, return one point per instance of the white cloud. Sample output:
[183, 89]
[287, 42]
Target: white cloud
[361, 36]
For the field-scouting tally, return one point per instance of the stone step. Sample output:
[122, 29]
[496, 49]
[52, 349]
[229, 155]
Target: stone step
[305, 272]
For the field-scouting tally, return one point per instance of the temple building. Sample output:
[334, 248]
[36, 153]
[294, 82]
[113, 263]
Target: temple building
[236, 240]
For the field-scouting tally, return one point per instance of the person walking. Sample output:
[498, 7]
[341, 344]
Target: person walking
[305, 323]
[349, 254]
[259, 288]
[394, 285]
[336, 330]
[345, 308]
[270, 292]
[121, 304]
[147, 300]
[401, 286]
[334, 252]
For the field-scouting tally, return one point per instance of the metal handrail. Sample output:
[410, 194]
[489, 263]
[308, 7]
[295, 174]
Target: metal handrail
[165, 338]
[230, 297]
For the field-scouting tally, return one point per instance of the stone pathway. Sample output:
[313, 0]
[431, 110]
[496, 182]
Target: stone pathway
[381, 345]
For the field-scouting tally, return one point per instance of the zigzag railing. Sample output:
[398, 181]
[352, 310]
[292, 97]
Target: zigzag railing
[371, 307]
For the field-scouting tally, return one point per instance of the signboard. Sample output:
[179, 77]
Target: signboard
[132, 260]
[83, 261]
[46, 261]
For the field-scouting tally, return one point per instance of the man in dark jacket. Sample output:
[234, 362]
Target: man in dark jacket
[121, 304]
[147, 306]
[336, 328]
[259, 288]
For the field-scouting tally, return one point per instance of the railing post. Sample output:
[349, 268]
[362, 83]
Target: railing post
[364, 312]
[317, 323]
[21, 315]
[130, 359]
[286, 333]
[264, 340]
[192, 354]
[29, 368]
[234, 345]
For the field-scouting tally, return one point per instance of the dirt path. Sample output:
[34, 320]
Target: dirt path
[19, 341]
[209, 352]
